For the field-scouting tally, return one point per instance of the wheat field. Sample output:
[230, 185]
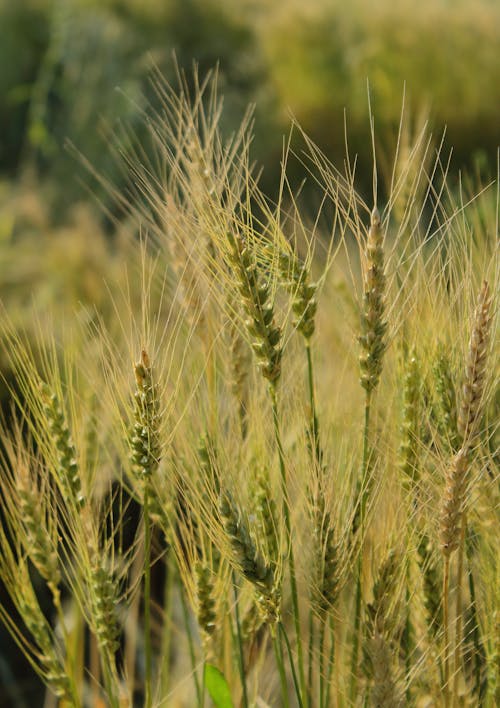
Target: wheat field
[268, 474]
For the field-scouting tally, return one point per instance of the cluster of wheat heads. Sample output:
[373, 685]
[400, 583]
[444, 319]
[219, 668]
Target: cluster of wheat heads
[275, 482]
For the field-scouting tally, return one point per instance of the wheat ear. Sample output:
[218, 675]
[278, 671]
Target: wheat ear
[68, 473]
[468, 418]
[373, 324]
[381, 626]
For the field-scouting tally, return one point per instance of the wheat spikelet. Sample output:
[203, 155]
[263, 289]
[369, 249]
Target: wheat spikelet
[475, 370]
[52, 667]
[296, 277]
[267, 520]
[104, 605]
[446, 407]
[373, 325]
[379, 651]
[408, 450]
[256, 294]
[452, 505]
[145, 440]
[327, 557]
[67, 466]
[40, 542]
[469, 413]
[249, 559]
[206, 613]
[432, 582]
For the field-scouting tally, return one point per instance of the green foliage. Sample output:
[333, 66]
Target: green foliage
[217, 687]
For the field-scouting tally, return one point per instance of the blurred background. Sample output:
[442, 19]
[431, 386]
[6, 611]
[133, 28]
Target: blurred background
[75, 72]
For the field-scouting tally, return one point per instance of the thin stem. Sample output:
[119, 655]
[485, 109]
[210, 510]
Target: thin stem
[446, 583]
[286, 515]
[241, 660]
[147, 600]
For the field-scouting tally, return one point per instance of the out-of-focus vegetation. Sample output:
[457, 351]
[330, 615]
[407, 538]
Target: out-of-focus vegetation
[71, 70]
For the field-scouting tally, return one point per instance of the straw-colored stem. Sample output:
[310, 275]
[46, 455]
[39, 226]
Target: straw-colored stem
[362, 511]
[446, 661]
[459, 610]
[286, 516]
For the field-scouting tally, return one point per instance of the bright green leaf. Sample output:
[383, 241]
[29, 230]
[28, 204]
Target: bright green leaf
[217, 687]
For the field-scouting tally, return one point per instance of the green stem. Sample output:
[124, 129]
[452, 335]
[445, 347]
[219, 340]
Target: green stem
[315, 444]
[407, 638]
[298, 689]
[286, 515]
[475, 632]
[331, 659]
[147, 599]
[310, 657]
[241, 660]
[192, 655]
[167, 623]
[278, 653]
[321, 649]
